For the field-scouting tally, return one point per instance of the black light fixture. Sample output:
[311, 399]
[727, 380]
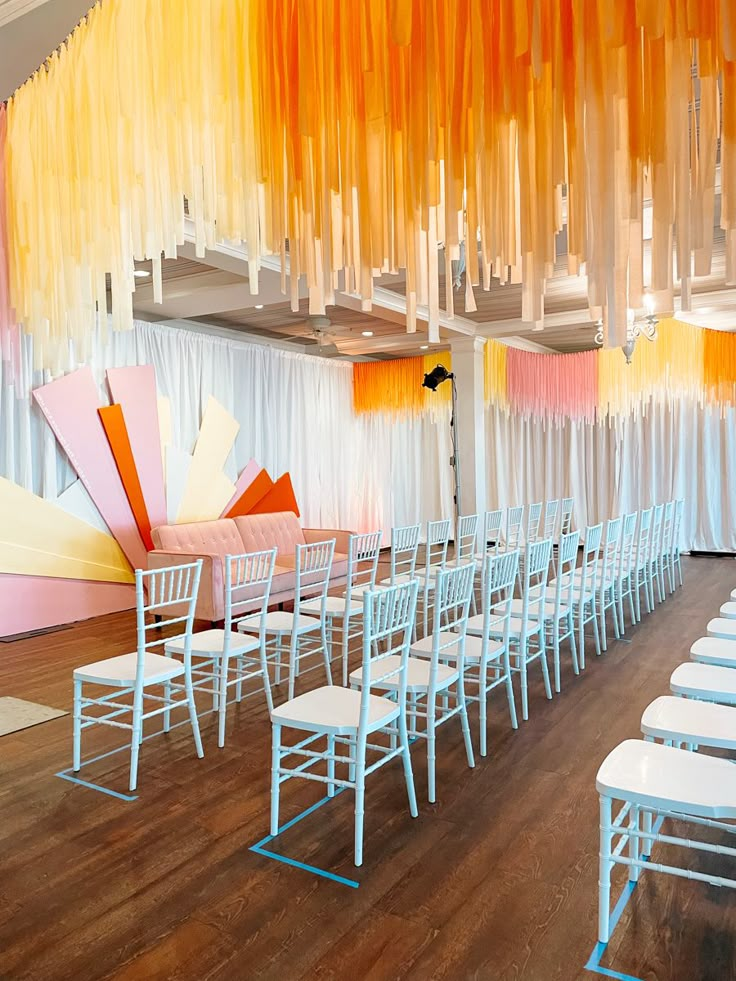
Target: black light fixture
[432, 380]
[435, 377]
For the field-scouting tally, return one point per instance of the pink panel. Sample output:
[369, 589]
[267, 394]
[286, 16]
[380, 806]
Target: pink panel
[70, 405]
[553, 386]
[135, 389]
[249, 474]
[33, 603]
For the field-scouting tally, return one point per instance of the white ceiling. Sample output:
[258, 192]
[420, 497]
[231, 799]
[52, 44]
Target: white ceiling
[29, 32]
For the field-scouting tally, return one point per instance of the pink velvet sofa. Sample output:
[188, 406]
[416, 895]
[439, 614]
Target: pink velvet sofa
[211, 541]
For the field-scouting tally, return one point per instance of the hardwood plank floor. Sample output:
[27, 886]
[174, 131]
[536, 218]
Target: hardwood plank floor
[498, 880]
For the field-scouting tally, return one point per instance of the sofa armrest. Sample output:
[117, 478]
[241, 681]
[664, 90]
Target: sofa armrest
[342, 538]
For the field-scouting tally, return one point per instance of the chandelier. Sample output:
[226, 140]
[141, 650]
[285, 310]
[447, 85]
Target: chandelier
[636, 327]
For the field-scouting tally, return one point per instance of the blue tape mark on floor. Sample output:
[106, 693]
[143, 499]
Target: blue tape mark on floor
[594, 961]
[67, 774]
[260, 850]
[95, 786]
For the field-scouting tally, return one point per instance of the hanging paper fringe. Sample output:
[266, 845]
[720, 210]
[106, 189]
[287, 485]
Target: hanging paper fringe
[9, 330]
[552, 386]
[356, 137]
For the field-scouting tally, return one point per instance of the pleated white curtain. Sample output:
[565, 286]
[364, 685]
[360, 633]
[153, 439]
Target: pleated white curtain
[685, 450]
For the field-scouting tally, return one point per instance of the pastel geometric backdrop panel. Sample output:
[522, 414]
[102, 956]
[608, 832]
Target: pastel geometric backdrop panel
[135, 390]
[34, 603]
[70, 405]
[203, 498]
[247, 475]
[117, 436]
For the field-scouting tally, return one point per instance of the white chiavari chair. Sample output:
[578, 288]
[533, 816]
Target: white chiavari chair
[566, 509]
[626, 569]
[585, 594]
[223, 658]
[549, 524]
[607, 598]
[296, 635]
[665, 550]
[643, 568]
[171, 595]
[347, 718]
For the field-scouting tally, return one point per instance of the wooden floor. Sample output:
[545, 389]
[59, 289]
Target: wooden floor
[497, 880]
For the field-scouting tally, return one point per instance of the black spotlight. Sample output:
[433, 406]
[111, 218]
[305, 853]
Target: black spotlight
[435, 377]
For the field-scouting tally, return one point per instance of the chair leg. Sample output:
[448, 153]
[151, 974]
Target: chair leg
[406, 760]
[524, 691]
[331, 766]
[638, 599]
[483, 706]
[602, 623]
[275, 786]
[634, 843]
[293, 662]
[581, 635]
[326, 654]
[192, 706]
[464, 722]
[167, 713]
[266, 678]
[359, 801]
[604, 871]
[556, 654]
[345, 650]
[545, 666]
[431, 740]
[222, 675]
[510, 691]
[573, 645]
[596, 631]
[77, 740]
[614, 614]
[135, 739]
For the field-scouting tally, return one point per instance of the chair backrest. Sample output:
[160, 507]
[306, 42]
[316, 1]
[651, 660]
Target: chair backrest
[627, 551]
[534, 586]
[363, 553]
[668, 520]
[589, 568]
[247, 589]
[609, 554]
[549, 526]
[567, 557]
[492, 521]
[453, 593]
[499, 579]
[677, 526]
[160, 593]
[404, 548]
[388, 624]
[514, 521]
[438, 539]
[533, 518]
[655, 542]
[313, 564]
[466, 538]
[644, 537]
[566, 509]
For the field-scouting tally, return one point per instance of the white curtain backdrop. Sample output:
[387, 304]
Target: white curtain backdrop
[375, 471]
[685, 450]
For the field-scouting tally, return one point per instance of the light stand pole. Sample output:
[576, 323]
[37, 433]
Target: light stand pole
[431, 381]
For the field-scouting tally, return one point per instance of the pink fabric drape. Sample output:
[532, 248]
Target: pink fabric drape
[565, 385]
[9, 331]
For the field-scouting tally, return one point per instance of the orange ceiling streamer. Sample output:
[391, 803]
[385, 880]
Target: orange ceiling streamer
[351, 139]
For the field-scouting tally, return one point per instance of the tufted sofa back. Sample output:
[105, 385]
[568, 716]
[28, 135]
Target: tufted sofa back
[219, 537]
[280, 529]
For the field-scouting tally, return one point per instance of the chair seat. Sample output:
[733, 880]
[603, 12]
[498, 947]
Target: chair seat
[709, 682]
[473, 647]
[517, 608]
[733, 594]
[728, 611]
[334, 606]
[120, 671]
[665, 778]
[475, 627]
[721, 627]
[212, 642]
[689, 721]
[417, 674]
[714, 650]
[334, 710]
[279, 622]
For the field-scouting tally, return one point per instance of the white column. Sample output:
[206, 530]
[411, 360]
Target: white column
[468, 362]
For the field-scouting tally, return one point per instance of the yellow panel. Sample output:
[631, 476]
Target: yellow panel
[216, 437]
[164, 426]
[37, 538]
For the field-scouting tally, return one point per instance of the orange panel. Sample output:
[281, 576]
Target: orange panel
[280, 498]
[252, 494]
[113, 422]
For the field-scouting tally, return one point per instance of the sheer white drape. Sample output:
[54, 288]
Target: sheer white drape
[295, 414]
[685, 450]
[372, 471]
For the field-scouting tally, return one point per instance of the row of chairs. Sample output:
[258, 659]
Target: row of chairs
[665, 777]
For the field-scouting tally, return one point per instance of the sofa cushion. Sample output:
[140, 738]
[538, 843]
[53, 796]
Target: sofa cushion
[219, 537]
[280, 529]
